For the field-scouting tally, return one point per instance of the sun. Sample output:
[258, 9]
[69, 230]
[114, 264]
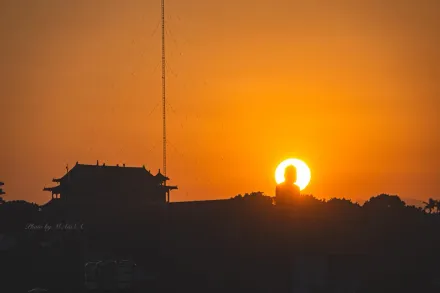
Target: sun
[303, 172]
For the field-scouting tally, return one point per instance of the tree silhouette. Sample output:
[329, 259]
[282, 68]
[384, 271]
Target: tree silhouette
[311, 200]
[217, 240]
[437, 206]
[431, 205]
[255, 196]
[1, 193]
[342, 202]
[21, 211]
[384, 202]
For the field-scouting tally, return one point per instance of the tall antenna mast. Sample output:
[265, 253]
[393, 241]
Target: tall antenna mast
[164, 138]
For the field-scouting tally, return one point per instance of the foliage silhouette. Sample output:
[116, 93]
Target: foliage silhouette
[384, 202]
[241, 244]
[1, 193]
[432, 205]
[255, 196]
[342, 202]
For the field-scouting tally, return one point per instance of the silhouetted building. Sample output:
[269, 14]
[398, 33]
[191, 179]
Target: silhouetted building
[1, 190]
[287, 192]
[101, 183]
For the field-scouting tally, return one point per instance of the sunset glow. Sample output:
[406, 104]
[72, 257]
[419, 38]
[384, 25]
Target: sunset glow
[303, 172]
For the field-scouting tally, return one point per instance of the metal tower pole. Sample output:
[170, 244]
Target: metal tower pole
[164, 138]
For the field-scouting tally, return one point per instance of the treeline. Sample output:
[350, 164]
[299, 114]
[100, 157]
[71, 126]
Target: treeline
[382, 201]
[244, 244]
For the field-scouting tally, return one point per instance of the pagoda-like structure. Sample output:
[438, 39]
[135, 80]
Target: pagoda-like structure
[98, 183]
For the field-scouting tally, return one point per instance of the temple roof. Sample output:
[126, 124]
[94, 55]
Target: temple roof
[168, 187]
[115, 170]
[111, 173]
[161, 177]
[55, 189]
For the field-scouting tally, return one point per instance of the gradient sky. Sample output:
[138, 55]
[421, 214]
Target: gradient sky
[350, 87]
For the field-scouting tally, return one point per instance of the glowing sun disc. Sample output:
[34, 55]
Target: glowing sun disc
[302, 170]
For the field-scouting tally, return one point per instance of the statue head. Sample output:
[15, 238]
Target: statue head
[290, 174]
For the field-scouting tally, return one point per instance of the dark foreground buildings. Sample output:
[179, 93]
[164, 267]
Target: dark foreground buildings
[87, 184]
[237, 245]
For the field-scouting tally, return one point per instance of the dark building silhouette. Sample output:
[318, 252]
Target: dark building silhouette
[1, 190]
[287, 192]
[101, 184]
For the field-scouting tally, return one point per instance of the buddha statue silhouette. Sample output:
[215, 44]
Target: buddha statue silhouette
[287, 192]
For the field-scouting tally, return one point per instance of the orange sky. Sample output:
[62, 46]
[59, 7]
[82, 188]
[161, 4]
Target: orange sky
[350, 87]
